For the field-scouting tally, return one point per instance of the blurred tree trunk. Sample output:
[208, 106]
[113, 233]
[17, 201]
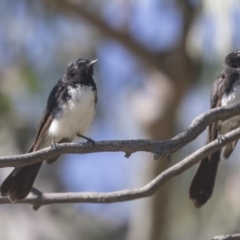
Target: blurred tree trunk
[181, 72]
[164, 128]
[155, 210]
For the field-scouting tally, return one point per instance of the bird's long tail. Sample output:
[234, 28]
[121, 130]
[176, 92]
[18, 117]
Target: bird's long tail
[19, 182]
[202, 185]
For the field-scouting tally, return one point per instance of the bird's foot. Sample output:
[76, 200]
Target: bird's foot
[220, 138]
[55, 145]
[89, 140]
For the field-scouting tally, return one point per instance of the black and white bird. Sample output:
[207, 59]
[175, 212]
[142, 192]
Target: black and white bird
[69, 113]
[225, 91]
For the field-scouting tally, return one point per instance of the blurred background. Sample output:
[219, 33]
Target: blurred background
[157, 62]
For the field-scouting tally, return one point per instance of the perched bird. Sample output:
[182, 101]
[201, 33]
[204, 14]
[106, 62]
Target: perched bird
[225, 91]
[69, 113]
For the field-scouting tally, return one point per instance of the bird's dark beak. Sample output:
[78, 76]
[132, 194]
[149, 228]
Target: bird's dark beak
[92, 63]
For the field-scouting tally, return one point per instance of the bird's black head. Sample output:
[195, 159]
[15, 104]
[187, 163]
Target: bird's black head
[81, 67]
[233, 59]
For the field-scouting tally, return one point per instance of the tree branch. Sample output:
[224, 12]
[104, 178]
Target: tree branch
[163, 148]
[38, 199]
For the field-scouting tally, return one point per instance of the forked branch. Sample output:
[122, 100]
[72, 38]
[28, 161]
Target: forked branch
[162, 148]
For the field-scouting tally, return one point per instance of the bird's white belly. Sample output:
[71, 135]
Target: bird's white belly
[227, 100]
[76, 115]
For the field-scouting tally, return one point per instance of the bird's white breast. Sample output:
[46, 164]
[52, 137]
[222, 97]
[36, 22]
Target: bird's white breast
[227, 100]
[232, 97]
[76, 115]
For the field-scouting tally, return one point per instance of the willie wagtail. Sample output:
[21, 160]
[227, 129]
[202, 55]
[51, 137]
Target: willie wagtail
[69, 112]
[225, 91]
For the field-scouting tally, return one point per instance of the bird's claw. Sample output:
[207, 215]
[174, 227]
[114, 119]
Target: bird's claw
[54, 145]
[220, 139]
[91, 141]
